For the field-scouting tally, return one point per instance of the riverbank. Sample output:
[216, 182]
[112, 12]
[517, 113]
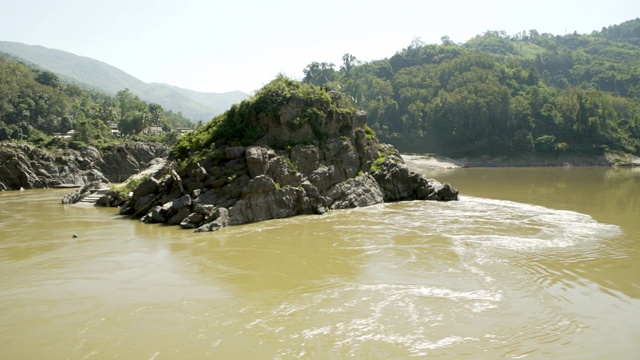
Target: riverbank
[435, 162]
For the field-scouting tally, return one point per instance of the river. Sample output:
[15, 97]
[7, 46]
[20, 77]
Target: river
[533, 263]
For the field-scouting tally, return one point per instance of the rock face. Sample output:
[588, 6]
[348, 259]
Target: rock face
[124, 161]
[344, 168]
[28, 167]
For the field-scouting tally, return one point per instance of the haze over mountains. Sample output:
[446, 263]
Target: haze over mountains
[96, 74]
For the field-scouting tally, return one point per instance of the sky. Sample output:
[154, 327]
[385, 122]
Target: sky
[220, 46]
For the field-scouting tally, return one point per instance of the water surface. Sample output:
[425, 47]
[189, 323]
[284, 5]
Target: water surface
[535, 263]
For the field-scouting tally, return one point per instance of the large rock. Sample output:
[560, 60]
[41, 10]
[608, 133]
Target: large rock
[128, 159]
[263, 200]
[306, 158]
[257, 160]
[360, 191]
[307, 162]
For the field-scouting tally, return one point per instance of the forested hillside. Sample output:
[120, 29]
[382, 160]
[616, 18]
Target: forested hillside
[95, 74]
[35, 105]
[502, 94]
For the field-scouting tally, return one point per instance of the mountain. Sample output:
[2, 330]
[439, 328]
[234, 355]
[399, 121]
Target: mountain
[96, 74]
[500, 94]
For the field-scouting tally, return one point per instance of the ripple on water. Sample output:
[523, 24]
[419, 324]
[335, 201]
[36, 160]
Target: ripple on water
[496, 292]
[354, 319]
[477, 276]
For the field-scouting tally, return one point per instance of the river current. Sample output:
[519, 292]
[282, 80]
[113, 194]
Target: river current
[530, 263]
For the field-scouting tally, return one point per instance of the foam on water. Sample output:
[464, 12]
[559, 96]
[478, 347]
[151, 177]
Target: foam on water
[430, 269]
[496, 223]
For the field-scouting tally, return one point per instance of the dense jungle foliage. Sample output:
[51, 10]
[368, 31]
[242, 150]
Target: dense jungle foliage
[500, 94]
[35, 106]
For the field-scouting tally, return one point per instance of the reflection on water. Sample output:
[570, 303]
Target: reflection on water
[530, 262]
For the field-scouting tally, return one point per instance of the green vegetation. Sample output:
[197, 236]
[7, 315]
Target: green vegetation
[500, 94]
[97, 75]
[241, 125]
[129, 186]
[370, 134]
[376, 164]
[35, 106]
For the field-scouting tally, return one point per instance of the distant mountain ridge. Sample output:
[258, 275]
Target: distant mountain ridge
[96, 74]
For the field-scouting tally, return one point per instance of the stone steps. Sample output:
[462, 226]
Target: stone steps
[93, 197]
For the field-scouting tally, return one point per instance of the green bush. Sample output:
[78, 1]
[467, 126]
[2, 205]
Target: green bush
[240, 124]
[376, 164]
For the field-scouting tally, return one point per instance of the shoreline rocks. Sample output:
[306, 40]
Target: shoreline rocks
[28, 167]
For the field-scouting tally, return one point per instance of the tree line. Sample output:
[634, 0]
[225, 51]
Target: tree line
[36, 106]
[501, 94]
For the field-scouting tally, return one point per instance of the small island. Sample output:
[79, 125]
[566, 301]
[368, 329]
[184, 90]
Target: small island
[292, 149]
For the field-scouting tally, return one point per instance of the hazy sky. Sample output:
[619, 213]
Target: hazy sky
[219, 46]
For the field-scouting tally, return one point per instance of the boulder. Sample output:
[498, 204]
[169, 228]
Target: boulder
[360, 191]
[170, 208]
[154, 215]
[257, 160]
[91, 153]
[111, 198]
[234, 152]
[147, 186]
[219, 219]
[441, 192]
[283, 173]
[143, 204]
[178, 217]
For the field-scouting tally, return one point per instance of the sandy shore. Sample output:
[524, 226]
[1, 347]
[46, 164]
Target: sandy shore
[422, 162]
[434, 162]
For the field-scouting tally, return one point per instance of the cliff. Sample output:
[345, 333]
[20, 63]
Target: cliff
[24, 166]
[292, 149]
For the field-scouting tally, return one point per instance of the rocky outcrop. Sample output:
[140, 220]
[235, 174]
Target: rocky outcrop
[338, 166]
[28, 167]
[123, 161]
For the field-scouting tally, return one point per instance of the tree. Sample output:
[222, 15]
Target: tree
[48, 78]
[157, 114]
[92, 132]
[319, 73]
[348, 62]
[135, 116]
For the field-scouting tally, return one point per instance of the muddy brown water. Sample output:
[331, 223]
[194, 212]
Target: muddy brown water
[530, 263]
